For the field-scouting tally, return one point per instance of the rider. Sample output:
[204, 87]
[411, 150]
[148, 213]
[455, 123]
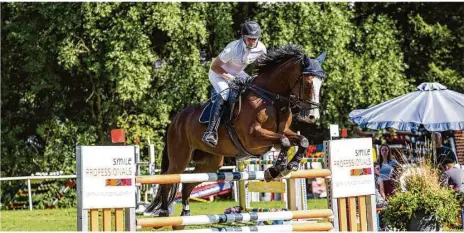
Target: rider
[229, 67]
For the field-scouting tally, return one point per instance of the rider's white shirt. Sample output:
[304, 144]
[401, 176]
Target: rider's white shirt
[237, 57]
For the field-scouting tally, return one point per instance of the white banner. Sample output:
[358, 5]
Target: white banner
[108, 177]
[352, 167]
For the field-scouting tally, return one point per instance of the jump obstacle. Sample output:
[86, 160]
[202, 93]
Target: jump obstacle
[300, 227]
[273, 161]
[230, 218]
[151, 170]
[295, 198]
[251, 190]
[224, 176]
[243, 194]
[124, 202]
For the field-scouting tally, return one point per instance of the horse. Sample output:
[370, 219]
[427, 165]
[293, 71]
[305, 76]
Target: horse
[260, 121]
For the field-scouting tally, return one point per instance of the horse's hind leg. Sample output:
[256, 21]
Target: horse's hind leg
[208, 163]
[177, 166]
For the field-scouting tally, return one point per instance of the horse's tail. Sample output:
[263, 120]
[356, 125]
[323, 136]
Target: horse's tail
[155, 207]
[165, 158]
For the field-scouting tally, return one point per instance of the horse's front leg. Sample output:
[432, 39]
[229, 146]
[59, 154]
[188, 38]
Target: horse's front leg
[276, 138]
[302, 143]
[279, 167]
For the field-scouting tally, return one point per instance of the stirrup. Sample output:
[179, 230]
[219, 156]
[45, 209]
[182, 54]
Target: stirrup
[206, 139]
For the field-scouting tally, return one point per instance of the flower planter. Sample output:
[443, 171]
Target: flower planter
[420, 221]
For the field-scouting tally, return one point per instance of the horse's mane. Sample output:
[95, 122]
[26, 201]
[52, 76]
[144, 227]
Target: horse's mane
[278, 56]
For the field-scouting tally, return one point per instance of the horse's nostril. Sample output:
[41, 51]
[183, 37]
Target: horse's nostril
[311, 117]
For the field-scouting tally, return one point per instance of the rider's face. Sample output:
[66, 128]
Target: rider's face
[250, 42]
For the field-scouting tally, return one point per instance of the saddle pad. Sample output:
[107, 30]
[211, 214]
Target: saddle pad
[204, 117]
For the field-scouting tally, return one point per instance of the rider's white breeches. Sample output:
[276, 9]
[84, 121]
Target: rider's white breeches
[221, 85]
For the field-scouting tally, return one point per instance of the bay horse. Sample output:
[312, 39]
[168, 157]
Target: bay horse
[261, 121]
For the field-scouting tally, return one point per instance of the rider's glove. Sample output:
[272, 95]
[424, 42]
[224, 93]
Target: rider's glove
[239, 81]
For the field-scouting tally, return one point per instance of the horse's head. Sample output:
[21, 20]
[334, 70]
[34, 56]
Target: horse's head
[311, 80]
[288, 72]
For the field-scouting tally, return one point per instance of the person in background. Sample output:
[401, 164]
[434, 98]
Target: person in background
[452, 176]
[379, 189]
[380, 197]
[443, 152]
[389, 169]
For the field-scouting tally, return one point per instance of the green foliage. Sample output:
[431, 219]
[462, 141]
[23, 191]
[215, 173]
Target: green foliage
[364, 62]
[437, 45]
[431, 38]
[423, 192]
[451, 78]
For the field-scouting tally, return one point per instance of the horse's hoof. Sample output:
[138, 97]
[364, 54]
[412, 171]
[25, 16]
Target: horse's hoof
[270, 174]
[304, 143]
[285, 142]
[177, 228]
[280, 167]
[185, 213]
[267, 176]
[293, 166]
[163, 213]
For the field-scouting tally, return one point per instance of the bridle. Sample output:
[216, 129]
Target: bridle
[294, 101]
[298, 101]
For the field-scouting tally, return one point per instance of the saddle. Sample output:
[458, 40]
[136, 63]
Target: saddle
[234, 97]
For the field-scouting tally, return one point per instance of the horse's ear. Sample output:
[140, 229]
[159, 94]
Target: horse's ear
[321, 58]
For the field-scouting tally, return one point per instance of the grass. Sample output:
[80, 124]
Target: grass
[39, 220]
[65, 219]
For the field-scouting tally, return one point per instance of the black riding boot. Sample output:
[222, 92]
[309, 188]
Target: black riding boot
[210, 135]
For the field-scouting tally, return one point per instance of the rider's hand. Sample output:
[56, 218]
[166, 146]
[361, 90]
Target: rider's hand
[239, 81]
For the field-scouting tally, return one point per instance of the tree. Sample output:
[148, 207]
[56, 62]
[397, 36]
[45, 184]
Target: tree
[363, 61]
[74, 71]
[430, 35]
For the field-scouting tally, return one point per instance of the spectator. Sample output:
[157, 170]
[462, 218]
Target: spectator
[443, 152]
[388, 170]
[379, 189]
[452, 176]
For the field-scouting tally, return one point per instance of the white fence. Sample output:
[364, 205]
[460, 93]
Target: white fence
[29, 178]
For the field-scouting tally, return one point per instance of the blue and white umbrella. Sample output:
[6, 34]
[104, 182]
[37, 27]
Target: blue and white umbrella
[431, 105]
